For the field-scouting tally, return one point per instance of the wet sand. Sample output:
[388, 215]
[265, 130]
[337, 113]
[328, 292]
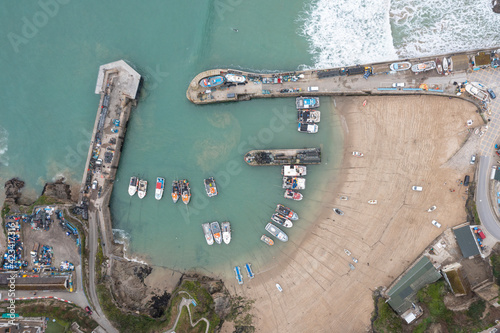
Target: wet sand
[405, 141]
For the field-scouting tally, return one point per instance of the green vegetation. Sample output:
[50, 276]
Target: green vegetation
[495, 263]
[432, 297]
[184, 325]
[99, 260]
[5, 210]
[43, 200]
[470, 206]
[64, 313]
[126, 322]
[387, 320]
[476, 310]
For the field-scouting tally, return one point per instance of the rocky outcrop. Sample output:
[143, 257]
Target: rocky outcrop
[58, 190]
[13, 190]
[496, 6]
[222, 303]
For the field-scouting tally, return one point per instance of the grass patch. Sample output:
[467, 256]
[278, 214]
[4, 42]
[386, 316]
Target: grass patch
[495, 263]
[42, 200]
[205, 303]
[476, 310]
[387, 320]
[99, 260]
[184, 325]
[64, 313]
[432, 297]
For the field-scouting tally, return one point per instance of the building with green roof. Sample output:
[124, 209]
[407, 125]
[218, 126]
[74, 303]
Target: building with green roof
[403, 294]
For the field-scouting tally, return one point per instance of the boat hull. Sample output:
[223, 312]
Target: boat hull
[276, 232]
[400, 66]
[216, 232]
[226, 232]
[208, 233]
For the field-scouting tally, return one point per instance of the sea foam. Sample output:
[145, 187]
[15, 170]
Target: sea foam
[348, 32]
[342, 33]
[4, 147]
[122, 237]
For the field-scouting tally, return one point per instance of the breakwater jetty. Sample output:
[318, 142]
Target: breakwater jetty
[360, 80]
[118, 84]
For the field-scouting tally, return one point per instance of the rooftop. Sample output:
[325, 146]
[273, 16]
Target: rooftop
[402, 294]
[466, 241]
[128, 77]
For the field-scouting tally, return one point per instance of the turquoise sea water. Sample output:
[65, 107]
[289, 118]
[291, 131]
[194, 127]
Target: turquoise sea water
[51, 108]
[50, 54]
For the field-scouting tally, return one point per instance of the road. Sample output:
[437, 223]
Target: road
[98, 313]
[484, 208]
[186, 302]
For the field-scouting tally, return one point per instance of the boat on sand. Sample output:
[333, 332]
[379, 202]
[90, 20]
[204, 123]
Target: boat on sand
[338, 211]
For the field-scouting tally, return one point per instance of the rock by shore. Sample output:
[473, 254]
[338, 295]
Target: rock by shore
[13, 190]
[496, 6]
[58, 190]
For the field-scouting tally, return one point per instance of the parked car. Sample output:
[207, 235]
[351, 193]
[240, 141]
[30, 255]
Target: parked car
[94, 184]
[466, 180]
[89, 310]
[436, 223]
[492, 94]
[473, 159]
[417, 188]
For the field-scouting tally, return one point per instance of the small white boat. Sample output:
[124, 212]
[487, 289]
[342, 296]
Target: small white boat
[355, 260]
[477, 90]
[226, 232]
[445, 66]
[307, 128]
[400, 66]
[357, 154]
[160, 186]
[279, 287]
[347, 252]
[372, 202]
[338, 211]
[344, 197]
[143, 187]
[294, 170]
[276, 232]
[267, 240]
[425, 66]
[208, 233]
[289, 194]
[433, 208]
[235, 78]
[133, 185]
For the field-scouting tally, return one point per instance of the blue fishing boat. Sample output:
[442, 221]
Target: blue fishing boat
[249, 270]
[213, 81]
[238, 275]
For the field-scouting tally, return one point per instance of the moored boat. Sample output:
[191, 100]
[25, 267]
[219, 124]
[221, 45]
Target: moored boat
[215, 227]
[185, 191]
[175, 191]
[450, 64]
[208, 233]
[248, 267]
[281, 220]
[293, 195]
[142, 190]
[213, 81]
[372, 202]
[210, 187]
[226, 232]
[287, 212]
[293, 170]
[433, 208]
[308, 116]
[283, 156]
[235, 78]
[267, 240]
[357, 154]
[133, 185]
[307, 102]
[294, 183]
[238, 275]
[423, 67]
[400, 66]
[160, 186]
[307, 128]
[276, 232]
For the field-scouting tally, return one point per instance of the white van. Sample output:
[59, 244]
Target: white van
[417, 188]
[312, 88]
[398, 85]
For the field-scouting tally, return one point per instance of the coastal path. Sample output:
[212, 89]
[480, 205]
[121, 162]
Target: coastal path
[485, 208]
[186, 302]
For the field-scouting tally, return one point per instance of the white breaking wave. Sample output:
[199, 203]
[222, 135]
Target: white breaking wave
[348, 32]
[4, 147]
[122, 237]
[435, 27]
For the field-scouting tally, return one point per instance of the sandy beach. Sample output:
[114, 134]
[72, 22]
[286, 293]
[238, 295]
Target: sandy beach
[405, 141]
